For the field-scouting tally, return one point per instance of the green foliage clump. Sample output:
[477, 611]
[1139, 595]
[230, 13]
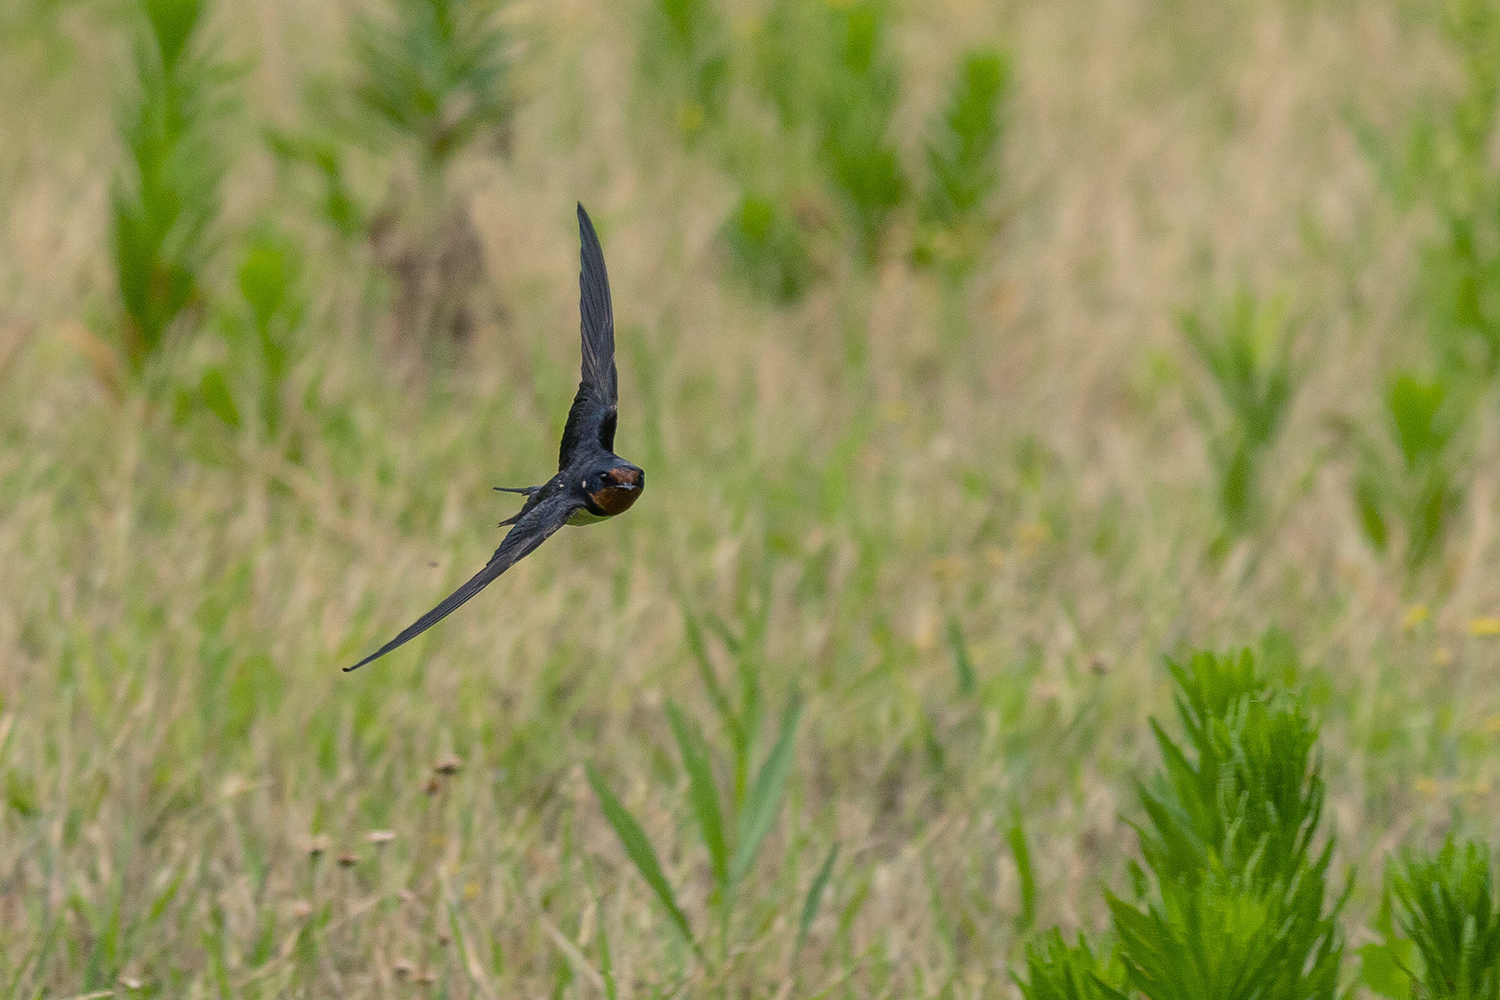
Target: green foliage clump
[1245, 350]
[825, 159]
[435, 74]
[1412, 483]
[828, 69]
[165, 199]
[1239, 865]
[963, 161]
[1056, 970]
[260, 336]
[1231, 840]
[769, 249]
[1451, 163]
[431, 79]
[1446, 906]
[1443, 164]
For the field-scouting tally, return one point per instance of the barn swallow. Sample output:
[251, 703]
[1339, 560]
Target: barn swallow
[592, 482]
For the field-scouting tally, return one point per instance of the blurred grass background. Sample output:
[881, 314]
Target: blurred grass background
[956, 421]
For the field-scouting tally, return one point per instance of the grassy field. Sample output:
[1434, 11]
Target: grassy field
[957, 513]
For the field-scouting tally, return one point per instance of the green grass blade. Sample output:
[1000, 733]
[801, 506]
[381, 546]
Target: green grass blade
[702, 790]
[815, 897]
[716, 694]
[606, 958]
[1022, 853]
[638, 848]
[606, 962]
[962, 665]
[765, 796]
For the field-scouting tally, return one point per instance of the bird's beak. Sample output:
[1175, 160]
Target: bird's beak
[626, 478]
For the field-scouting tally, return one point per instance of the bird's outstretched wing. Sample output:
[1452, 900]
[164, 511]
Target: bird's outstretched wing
[534, 528]
[594, 408]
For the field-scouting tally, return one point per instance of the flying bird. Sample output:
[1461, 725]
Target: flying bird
[592, 482]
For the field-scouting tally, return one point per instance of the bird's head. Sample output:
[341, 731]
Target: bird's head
[614, 489]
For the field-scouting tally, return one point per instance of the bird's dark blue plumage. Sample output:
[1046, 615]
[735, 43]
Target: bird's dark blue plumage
[592, 482]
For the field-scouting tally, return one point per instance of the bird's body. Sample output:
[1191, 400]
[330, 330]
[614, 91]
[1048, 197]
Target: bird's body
[592, 482]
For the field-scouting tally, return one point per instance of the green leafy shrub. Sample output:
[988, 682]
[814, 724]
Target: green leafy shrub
[165, 199]
[260, 336]
[1417, 492]
[1446, 906]
[431, 79]
[963, 161]
[1056, 970]
[769, 249]
[1245, 349]
[828, 161]
[828, 69]
[434, 74]
[1231, 840]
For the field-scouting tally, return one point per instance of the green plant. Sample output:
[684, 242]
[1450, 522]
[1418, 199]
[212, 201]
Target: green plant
[324, 157]
[1444, 164]
[828, 72]
[435, 73]
[1419, 491]
[1462, 266]
[1056, 970]
[1230, 837]
[259, 336]
[269, 278]
[732, 827]
[828, 69]
[1408, 490]
[963, 161]
[1446, 906]
[165, 199]
[768, 249]
[1245, 350]
[684, 52]
[433, 76]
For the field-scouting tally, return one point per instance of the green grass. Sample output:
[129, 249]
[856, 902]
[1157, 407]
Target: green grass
[955, 525]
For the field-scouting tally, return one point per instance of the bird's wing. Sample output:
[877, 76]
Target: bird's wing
[532, 530]
[595, 406]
